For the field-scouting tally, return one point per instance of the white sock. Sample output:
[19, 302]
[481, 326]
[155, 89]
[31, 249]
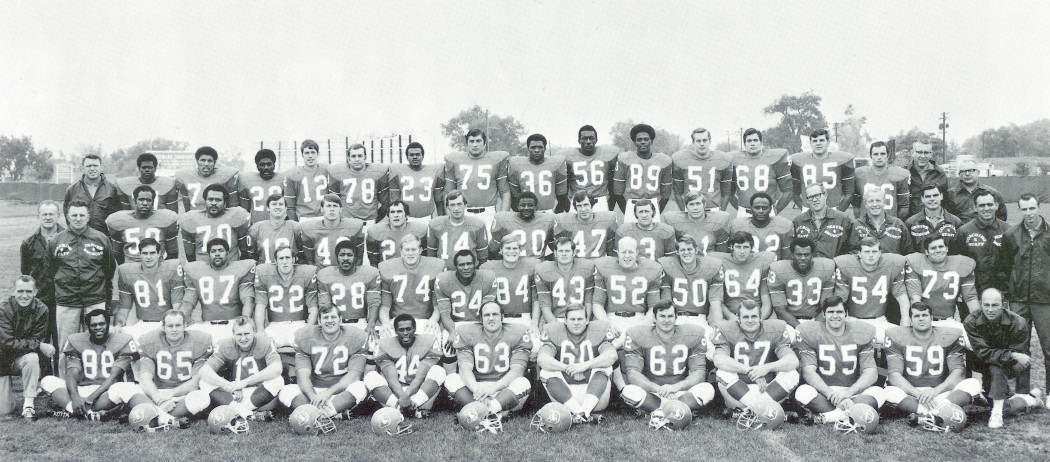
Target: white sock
[835, 415]
[997, 406]
[494, 406]
[30, 401]
[574, 406]
[588, 403]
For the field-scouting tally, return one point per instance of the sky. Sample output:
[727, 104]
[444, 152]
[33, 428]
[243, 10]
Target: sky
[232, 74]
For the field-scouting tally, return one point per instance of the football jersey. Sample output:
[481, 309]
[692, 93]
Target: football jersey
[591, 173]
[166, 187]
[482, 179]
[638, 178]
[801, 294]
[570, 349]
[894, 181]
[151, 293]
[355, 294]
[125, 230]
[97, 362]
[328, 360]
[834, 171]
[221, 292]
[925, 362]
[745, 279]
[175, 364]
[941, 285]
[621, 290]
[304, 188]
[665, 361]
[866, 292]
[653, 243]
[711, 176]
[193, 183]
[692, 290]
[464, 302]
[319, 240]
[419, 189]
[770, 238]
[710, 233]
[492, 356]
[425, 352]
[362, 191]
[444, 238]
[255, 190]
[232, 226]
[383, 241]
[232, 363]
[594, 238]
[546, 180]
[769, 344]
[408, 290]
[830, 239]
[768, 172]
[534, 235]
[286, 297]
[556, 289]
[515, 287]
[839, 359]
[264, 238]
[920, 226]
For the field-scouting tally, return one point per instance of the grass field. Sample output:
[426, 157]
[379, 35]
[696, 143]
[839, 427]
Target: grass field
[622, 437]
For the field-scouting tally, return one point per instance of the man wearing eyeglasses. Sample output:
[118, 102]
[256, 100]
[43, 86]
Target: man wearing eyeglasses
[924, 171]
[827, 227]
[962, 194]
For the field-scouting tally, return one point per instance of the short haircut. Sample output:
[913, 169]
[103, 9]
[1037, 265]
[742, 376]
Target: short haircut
[934, 237]
[476, 132]
[920, 306]
[878, 144]
[333, 198]
[403, 317]
[206, 151]
[91, 156]
[265, 154]
[325, 309]
[692, 196]
[586, 128]
[242, 321]
[748, 303]
[871, 190]
[643, 128]
[833, 300]
[78, 203]
[740, 237]
[527, 195]
[415, 145]
[143, 187]
[870, 241]
[664, 304]
[174, 313]
[283, 247]
[146, 157]
[699, 131]
[148, 242]
[400, 202]
[928, 187]
[1027, 197]
[216, 187]
[562, 240]
[761, 195]
[309, 144]
[982, 193]
[582, 196]
[818, 132]
[752, 131]
[218, 241]
[687, 239]
[457, 194]
[273, 198]
[463, 253]
[990, 290]
[86, 317]
[345, 244]
[800, 242]
[25, 278]
[407, 239]
[643, 203]
[49, 202]
[356, 146]
[509, 239]
[536, 137]
[575, 307]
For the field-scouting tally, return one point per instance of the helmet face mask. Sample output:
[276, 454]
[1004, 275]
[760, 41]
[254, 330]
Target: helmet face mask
[677, 415]
[475, 417]
[225, 419]
[765, 414]
[862, 419]
[553, 417]
[948, 417]
[389, 421]
[309, 420]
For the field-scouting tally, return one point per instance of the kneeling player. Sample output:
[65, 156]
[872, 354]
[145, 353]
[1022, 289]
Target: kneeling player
[329, 364]
[576, 361]
[492, 357]
[409, 380]
[244, 372]
[754, 358]
[95, 363]
[665, 361]
[169, 370]
[838, 364]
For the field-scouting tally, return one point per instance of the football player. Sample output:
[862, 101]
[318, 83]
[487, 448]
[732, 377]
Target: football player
[152, 287]
[754, 358]
[799, 285]
[127, 227]
[592, 232]
[420, 187]
[448, 234]
[665, 361]
[642, 175]
[193, 181]
[515, 285]
[542, 176]
[838, 364]
[940, 280]
[459, 294]
[285, 297]
[931, 219]
[894, 181]
[866, 281]
[655, 240]
[321, 236]
[760, 170]
[981, 239]
[95, 364]
[694, 284]
[891, 232]
[827, 227]
[492, 357]
[329, 366]
[362, 186]
[745, 275]
[481, 175]
[709, 229]
[406, 288]
[923, 171]
[407, 378]
[834, 170]
[305, 186]
[216, 221]
[265, 236]
[166, 187]
[770, 232]
[698, 169]
[576, 361]
[223, 287]
[566, 280]
[168, 370]
[626, 287]
[383, 238]
[927, 366]
[355, 290]
[256, 189]
[244, 372]
[534, 231]
[591, 167]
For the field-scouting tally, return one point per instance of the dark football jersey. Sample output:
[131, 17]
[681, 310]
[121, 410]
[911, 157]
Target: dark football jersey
[286, 298]
[941, 285]
[546, 180]
[355, 295]
[423, 353]
[925, 362]
[419, 189]
[174, 364]
[834, 171]
[534, 235]
[232, 226]
[194, 185]
[408, 290]
[255, 190]
[895, 181]
[320, 238]
[125, 230]
[150, 292]
[362, 191]
[220, 292]
[638, 178]
[591, 173]
[710, 233]
[492, 356]
[594, 238]
[304, 188]
[264, 238]
[653, 243]
[329, 359]
[482, 179]
[745, 279]
[556, 289]
[634, 290]
[98, 362]
[515, 287]
[801, 294]
[576, 349]
[866, 292]
[692, 290]
[770, 238]
[383, 241]
[232, 363]
[663, 360]
[166, 188]
[464, 302]
[444, 239]
[711, 176]
[767, 172]
[771, 343]
[839, 359]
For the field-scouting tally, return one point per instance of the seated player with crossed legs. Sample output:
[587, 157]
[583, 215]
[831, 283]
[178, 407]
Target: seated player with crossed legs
[244, 372]
[407, 379]
[575, 361]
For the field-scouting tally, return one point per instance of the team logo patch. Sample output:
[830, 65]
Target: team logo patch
[976, 240]
[920, 230]
[947, 230]
[893, 232]
[835, 231]
[803, 231]
[63, 250]
[93, 249]
[997, 240]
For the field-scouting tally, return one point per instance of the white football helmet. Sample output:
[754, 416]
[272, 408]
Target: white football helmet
[309, 420]
[948, 417]
[389, 421]
[553, 417]
[225, 419]
[146, 417]
[862, 418]
[475, 417]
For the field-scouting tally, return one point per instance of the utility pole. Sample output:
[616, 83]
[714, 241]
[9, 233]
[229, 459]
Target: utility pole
[944, 137]
[729, 139]
[836, 133]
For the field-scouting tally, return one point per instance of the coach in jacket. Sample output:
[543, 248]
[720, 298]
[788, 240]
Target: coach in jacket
[1027, 247]
[23, 334]
[102, 196]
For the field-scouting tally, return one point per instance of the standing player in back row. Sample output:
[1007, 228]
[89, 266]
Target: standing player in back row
[256, 187]
[421, 187]
[128, 227]
[591, 168]
[642, 175]
[833, 169]
[696, 168]
[362, 186]
[481, 175]
[760, 170]
[194, 181]
[166, 187]
[894, 181]
[542, 176]
[306, 185]
[769, 233]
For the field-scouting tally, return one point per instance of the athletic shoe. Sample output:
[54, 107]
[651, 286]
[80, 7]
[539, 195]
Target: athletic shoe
[996, 420]
[29, 413]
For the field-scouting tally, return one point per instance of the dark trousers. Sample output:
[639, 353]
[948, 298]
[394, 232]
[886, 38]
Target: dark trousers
[997, 377]
[1038, 316]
